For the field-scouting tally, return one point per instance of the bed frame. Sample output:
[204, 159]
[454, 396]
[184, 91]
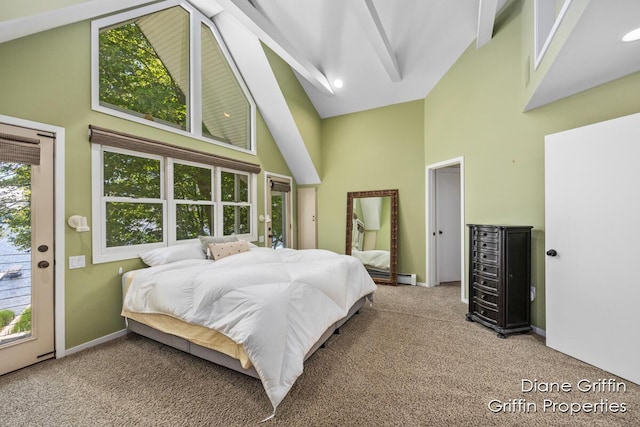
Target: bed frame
[221, 358]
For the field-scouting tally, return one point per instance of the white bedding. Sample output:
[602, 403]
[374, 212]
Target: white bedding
[374, 258]
[276, 303]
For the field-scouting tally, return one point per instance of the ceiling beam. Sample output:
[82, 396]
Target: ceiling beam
[377, 35]
[32, 24]
[249, 56]
[487, 11]
[255, 22]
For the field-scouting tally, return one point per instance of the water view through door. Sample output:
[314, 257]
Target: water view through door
[26, 247]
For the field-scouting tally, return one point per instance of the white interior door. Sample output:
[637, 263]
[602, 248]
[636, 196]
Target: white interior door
[592, 210]
[307, 228]
[447, 224]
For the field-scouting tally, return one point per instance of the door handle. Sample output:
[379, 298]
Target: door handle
[43, 264]
[552, 252]
[439, 231]
[43, 248]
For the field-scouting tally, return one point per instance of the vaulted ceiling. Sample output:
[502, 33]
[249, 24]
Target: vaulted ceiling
[383, 51]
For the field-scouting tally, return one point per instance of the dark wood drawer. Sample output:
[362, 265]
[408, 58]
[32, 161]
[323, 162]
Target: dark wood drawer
[485, 234]
[486, 313]
[485, 269]
[486, 257]
[484, 245]
[484, 284]
[489, 298]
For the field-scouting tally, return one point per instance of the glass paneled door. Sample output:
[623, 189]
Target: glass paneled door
[26, 247]
[279, 212]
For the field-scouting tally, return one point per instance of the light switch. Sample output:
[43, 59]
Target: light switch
[76, 262]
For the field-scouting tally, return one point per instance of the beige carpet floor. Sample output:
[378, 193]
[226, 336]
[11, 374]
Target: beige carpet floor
[410, 360]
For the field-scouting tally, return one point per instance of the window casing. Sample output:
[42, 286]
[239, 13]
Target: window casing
[143, 201]
[166, 66]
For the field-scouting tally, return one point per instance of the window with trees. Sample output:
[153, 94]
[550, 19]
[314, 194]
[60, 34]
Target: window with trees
[147, 201]
[166, 65]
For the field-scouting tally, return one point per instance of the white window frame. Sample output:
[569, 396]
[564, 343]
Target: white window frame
[252, 203]
[103, 254]
[173, 203]
[194, 106]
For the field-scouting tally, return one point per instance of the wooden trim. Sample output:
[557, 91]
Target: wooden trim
[393, 253]
[135, 143]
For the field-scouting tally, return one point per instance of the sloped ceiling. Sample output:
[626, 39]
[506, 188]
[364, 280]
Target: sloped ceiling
[384, 51]
[593, 53]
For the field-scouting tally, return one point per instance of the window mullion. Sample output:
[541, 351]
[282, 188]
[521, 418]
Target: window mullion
[171, 206]
[195, 102]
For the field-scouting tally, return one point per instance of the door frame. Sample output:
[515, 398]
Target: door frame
[58, 224]
[430, 210]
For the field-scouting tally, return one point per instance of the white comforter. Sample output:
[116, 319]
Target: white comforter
[374, 258]
[276, 303]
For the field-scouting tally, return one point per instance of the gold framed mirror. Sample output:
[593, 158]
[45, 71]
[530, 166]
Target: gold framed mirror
[372, 232]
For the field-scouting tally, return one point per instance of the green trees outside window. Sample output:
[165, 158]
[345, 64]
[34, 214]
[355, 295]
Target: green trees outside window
[193, 193]
[133, 77]
[15, 204]
[139, 210]
[235, 200]
[149, 68]
[132, 188]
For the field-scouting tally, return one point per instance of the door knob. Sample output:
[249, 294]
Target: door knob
[439, 231]
[43, 248]
[43, 264]
[552, 252]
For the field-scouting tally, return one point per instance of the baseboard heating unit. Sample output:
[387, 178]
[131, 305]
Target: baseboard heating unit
[407, 279]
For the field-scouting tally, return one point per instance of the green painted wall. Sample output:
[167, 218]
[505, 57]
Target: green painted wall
[12, 9]
[46, 78]
[476, 111]
[377, 149]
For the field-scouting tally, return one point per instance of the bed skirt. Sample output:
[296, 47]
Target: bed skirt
[221, 358]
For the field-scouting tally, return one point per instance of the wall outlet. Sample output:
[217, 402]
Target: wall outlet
[533, 293]
[76, 262]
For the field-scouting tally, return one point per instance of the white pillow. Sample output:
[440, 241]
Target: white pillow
[173, 253]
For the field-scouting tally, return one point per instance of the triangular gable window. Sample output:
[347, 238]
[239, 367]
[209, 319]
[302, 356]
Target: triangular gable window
[143, 70]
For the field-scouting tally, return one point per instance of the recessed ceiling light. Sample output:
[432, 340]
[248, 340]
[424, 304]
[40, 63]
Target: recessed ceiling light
[337, 83]
[632, 35]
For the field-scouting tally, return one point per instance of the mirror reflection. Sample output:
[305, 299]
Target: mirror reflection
[372, 232]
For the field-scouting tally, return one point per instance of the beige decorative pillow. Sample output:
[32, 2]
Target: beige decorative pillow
[205, 241]
[221, 250]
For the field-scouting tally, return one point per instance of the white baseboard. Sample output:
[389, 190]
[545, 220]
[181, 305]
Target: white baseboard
[95, 342]
[423, 285]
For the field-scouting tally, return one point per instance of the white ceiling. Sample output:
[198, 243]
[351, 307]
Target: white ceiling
[392, 51]
[385, 51]
[338, 37]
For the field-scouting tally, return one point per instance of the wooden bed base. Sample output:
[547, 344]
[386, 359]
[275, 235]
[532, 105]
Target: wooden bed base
[221, 358]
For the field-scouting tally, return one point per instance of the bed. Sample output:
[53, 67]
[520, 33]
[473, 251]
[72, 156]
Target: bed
[374, 259]
[261, 311]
